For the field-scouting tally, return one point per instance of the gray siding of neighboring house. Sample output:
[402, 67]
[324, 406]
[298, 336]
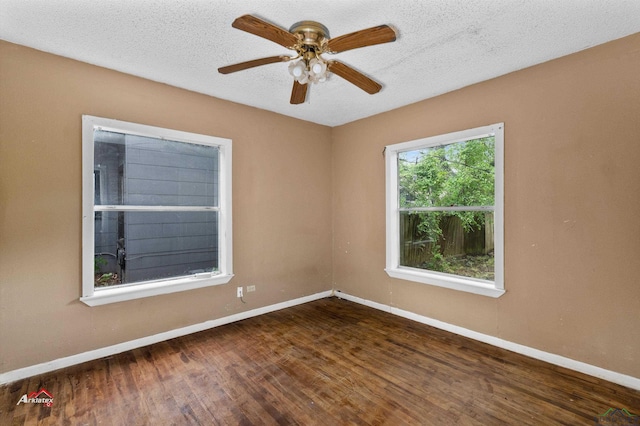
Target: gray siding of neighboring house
[162, 244]
[169, 244]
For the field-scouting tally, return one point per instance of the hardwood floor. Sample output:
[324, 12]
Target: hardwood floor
[328, 362]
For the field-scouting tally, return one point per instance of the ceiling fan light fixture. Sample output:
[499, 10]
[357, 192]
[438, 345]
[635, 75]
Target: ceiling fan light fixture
[298, 69]
[317, 67]
[317, 70]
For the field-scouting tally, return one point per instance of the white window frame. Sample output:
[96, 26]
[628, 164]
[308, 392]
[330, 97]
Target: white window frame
[456, 282]
[94, 297]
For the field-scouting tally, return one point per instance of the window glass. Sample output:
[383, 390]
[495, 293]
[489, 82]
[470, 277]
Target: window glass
[439, 241]
[457, 174]
[144, 171]
[432, 181]
[135, 246]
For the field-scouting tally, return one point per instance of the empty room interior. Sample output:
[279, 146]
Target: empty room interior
[405, 213]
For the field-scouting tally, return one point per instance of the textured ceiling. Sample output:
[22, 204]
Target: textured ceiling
[442, 45]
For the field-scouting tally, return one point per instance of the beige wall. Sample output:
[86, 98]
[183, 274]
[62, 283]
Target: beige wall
[281, 202]
[572, 143]
[572, 197]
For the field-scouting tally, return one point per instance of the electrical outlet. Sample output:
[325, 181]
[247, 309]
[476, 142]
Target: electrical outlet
[239, 291]
[251, 288]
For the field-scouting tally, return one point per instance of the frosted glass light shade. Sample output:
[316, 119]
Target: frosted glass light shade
[296, 69]
[317, 70]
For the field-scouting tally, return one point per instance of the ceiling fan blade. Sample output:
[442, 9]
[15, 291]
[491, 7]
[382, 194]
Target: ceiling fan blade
[299, 93]
[362, 38]
[354, 77]
[264, 29]
[254, 63]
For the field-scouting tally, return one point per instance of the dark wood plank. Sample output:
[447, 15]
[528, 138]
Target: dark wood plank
[328, 362]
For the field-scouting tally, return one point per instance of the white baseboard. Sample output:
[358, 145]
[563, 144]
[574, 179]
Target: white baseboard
[592, 370]
[45, 367]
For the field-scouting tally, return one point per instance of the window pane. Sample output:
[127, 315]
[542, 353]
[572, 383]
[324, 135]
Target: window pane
[143, 171]
[459, 243]
[141, 246]
[458, 174]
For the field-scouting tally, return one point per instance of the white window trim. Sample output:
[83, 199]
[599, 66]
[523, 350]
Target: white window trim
[93, 297]
[455, 282]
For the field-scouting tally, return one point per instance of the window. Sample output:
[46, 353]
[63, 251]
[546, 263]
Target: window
[445, 210]
[156, 211]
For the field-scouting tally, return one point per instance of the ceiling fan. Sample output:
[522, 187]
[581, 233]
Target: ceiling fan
[310, 40]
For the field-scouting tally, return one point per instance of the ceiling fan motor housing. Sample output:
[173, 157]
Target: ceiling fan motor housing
[310, 32]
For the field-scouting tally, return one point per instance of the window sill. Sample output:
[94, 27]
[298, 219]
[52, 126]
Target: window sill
[484, 288]
[121, 294]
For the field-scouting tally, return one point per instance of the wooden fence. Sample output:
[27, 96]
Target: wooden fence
[416, 250]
